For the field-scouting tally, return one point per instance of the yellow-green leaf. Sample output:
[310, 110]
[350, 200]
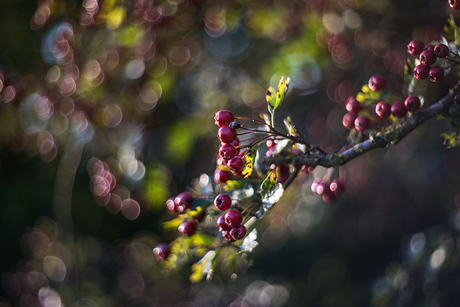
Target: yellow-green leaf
[250, 158]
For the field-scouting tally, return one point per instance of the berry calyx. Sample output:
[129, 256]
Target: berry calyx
[427, 58]
[224, 118]
[436, 74]
[227, 134]
[183, 201]
[421, 72]
[383, 109]
[227, 151]
[441, 50]
[353, 106]
[412, 103]
[222, 176]
[233, 218]
[415, 47]
[362, 123]
[348, 121]
[398, 109]
[188, 228]
[222, 225]
[161, 251]
[377, 83]
[454, 4]
[238, 233]
[223, 202]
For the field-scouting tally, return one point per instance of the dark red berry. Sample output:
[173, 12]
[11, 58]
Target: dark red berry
[427, 58]
[412, 103]
[329, 197]
[227, 151]
[238, 233]
[441, 50]
[222, 176]
[183, 201]
[336, 186]
[161, 251]
[428, 47]
[454, 4]
[170, 206]
[383, 109]
[227, 236]
[188, 228]
[234, 125]
[200, 217]
[377, 83]
[282, 178]
[227, 134]
[233, 218]
[223, 118]
[271, 144]
[436, 74]
[223, 202]
[398, 109]
[348, 121]
[362, 123]
[322, 188]
[421, 72]
[353, 106]
[236, 164]
[222, 225]
[314, 185]
[415, 47]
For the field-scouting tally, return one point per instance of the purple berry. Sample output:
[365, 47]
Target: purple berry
[398, 109]
[412, 103]
[238, 233]
[421, 72]
[223, 202]
[353, 106]
[222, 225]
[427, 58]
[161, 251]
[441, 50]
[183, 201]
[233, 218]
[415, 47]
[377, 83]
[436, 74]
[188, 228]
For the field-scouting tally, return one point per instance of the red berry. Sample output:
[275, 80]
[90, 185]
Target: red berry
[415, 47]
[238, 233]
[412, 103]
[323, 188]
[170, 206]
[200, 217]
[398, 109]
[362, 123]
[348, 121]
[236, 164]
[271, 144]
[336, 186]
[183, 201]
[222, 225]
[161, 251]
[223, 118]
[427, 58]
[227, 236]
[227, 134]
[233, 218]
[353, 106]
[383, 109]
[421, 72]
[454, 4]
[282, 178]
[314, 185]
[221, 176]
[436, 74]
[377, 83]
[429, 47]
[227, 151]
[329, 197]
[188, 228]
[223, 202]
[441, 50]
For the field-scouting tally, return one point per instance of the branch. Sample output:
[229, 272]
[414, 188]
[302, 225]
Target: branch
[379, 140]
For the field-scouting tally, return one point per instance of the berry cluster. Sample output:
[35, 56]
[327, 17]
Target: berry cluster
[229, 224]
[329, 192]
[428, 55]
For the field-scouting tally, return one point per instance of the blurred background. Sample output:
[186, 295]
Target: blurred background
[107, 111]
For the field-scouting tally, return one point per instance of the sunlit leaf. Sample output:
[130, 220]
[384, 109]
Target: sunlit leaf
[451, 139]
[409, 77]
[203, 267]
[270, 191]
[271, 99]
[250, 242]
[250, 158]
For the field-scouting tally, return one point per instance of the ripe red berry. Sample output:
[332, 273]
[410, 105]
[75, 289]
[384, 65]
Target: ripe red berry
[227, 134]
[233, 218]
[170, 206]
[421, 72]
[314, 185]
[427, 58]
[223, 202]
[322, 188]
[415, 47]
[362, 123]
[429, 47]
[348, 121]
[227, 151]
[271, 144]
[222, 225]
[441, 50]
[353, 106]
[383, 109]
[236, 164]
[238, 233]
[336, 186]
[183, 201]
[436, 74]
[227, 236]
[222, 176]
[161, 251]
[412, 103]
[188, 228]
[454, 4]
[377, 83]
[223, 118]
[398, 109]
[329, 197]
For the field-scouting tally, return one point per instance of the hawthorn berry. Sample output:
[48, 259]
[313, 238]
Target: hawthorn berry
[236, 164]
[271, 144]
[429, 47]
[329, 197]
[454, 4]
[223, 202]
[227, 134]
[227, 236]
[170, 206]
[398, 109]
[183, 201]
[238, 233]
[227, 151]
[383, 109]
[282, 178]
[421, 72]
[222, 225]
[348, 121]
[223, 118]
[415, 47]
[377, 83]
[161, 251]
[353, 106]
[436, 73]
[336, 186]
[314, 185]
[188, 228]
[200, 218]
[233, 218]
[427, 58]
[441, 50]
[412, 103]
[222, 176]
[362, 123]
[322, 188]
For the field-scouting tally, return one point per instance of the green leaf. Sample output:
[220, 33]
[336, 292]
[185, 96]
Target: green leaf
[271, 99]
[450, 28]
[457, 36]
[274, 99]
[203, 267]
[452, 115]
[250, 158]
[409, 77]
[270, 191]
[451, 139]
[189, 214]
